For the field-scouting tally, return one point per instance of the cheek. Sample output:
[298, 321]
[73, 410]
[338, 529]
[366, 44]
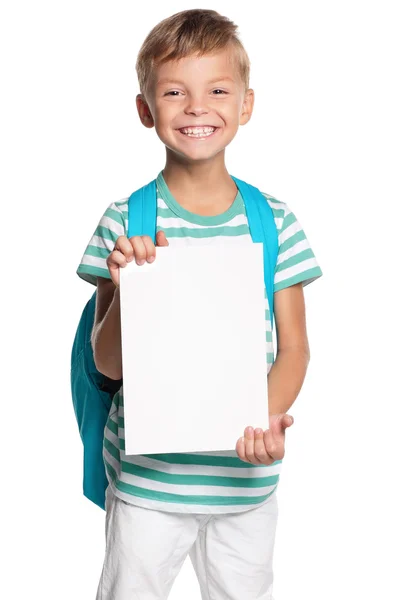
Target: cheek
[164, 123]
[231, 112]
[167, 111]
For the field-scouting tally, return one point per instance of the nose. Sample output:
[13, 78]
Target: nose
[196, 106]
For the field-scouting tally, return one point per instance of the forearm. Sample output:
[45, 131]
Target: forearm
[106, 342]
[285, 379]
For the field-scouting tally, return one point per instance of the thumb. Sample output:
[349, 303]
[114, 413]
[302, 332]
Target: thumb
[161, 239]
[287, 421]
[280, 423]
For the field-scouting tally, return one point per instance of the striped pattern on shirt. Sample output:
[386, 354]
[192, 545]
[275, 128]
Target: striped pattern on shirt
[198, 482]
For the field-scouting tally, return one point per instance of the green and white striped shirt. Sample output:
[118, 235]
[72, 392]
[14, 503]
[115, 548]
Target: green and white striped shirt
[198, 482]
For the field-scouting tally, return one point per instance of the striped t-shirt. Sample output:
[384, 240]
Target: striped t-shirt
[198, 482]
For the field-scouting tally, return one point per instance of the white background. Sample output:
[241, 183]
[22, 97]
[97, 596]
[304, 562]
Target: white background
[320, 139]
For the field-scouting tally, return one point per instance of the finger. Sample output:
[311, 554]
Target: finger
[279, 425]
[240, 448]
[287, 421]
[115, 261]
[249, 444]
[260, 450]
[275, 447]
[161, 239]
[276, 422]
[139, 249]
[124, 246]
[150, 249]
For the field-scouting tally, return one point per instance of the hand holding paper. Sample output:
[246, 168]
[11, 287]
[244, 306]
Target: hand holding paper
[140, 248]
[258, 447]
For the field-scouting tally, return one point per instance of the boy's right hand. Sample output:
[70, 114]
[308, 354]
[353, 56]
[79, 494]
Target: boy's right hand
[126, 249]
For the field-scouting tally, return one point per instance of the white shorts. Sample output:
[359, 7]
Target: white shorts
[232, 554]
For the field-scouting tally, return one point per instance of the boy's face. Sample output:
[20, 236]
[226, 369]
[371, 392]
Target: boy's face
[193, 92]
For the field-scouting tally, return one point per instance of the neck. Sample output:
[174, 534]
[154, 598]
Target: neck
[204, 187]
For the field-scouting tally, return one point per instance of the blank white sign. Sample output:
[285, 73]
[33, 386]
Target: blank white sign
[193, 348]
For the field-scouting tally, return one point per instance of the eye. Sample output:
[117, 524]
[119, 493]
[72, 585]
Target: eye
[172, 92]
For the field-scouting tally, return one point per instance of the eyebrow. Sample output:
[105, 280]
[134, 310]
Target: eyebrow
[216, 79]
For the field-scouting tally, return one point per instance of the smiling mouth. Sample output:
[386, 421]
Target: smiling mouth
[198, 132]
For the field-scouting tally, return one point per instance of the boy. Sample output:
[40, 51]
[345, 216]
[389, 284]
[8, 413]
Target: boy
[220, 507]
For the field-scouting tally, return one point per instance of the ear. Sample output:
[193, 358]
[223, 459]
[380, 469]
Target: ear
[247, 107]
[143, 111]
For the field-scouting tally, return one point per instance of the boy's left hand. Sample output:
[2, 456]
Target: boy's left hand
[264, 448]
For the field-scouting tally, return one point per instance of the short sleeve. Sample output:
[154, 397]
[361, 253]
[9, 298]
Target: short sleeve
[112, 224]
[296, 260]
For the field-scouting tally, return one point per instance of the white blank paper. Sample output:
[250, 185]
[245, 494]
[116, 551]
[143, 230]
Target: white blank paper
[193, 348]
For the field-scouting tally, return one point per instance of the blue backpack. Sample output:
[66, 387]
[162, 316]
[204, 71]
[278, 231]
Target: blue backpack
[92, 392]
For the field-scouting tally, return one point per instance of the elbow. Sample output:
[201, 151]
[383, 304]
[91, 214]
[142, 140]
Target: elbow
[107, 368]
[106, 363]
[298, 354]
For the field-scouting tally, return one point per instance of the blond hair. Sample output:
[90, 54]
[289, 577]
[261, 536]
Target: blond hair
[197, 31]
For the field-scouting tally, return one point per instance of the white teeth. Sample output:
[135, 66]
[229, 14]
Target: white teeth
[197, 131]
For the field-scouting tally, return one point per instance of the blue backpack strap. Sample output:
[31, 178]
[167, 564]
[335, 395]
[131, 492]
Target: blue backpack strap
[142, 211]
[262, 229]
